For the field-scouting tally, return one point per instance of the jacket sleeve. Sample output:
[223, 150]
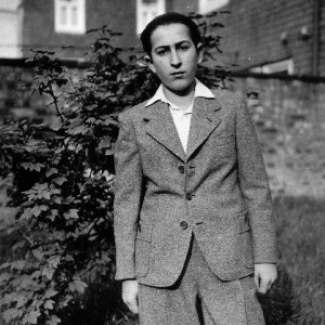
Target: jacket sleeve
[254, 184]
[128, 189]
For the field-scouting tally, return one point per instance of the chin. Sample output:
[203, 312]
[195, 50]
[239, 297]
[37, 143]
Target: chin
[180, 85]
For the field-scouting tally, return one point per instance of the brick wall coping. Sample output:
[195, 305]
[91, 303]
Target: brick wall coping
[305, 78]
[23, 64]
[84, 64]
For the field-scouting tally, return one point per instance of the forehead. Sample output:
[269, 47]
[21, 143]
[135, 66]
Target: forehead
[167, 35]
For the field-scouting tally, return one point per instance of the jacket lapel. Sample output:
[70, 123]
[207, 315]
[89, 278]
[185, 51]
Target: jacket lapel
[205, 119]
[159, 124]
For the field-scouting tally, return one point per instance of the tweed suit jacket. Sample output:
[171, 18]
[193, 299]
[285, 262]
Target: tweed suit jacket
[217, 190]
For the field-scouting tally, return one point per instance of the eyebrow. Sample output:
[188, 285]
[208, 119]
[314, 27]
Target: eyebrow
[161, 47]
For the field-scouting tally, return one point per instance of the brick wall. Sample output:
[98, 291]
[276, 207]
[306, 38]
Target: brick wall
[258, 32]
[290, 119]
[254, 29]
[39, 33]
[18, 97]
[252, 35]
[15, 89]
[184, 6]
[321, 59]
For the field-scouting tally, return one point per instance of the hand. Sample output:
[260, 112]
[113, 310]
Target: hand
[265, 275]
[130, 289]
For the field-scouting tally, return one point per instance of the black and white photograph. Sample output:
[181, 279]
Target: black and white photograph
[162, 162]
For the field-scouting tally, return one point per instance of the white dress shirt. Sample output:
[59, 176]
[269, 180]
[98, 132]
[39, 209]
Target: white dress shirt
[181, 117]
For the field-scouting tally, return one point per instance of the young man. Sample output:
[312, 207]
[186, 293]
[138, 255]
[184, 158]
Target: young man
[193, 211]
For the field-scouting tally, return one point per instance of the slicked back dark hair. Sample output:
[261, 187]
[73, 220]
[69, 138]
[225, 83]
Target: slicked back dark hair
[168, 19]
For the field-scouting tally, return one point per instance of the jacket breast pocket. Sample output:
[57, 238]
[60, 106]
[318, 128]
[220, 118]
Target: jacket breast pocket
[143, 249]
[225, 145]
[224, 139]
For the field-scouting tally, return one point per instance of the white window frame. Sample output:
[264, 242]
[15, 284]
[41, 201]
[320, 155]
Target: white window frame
[10, 5]
[10, 29]
[276, 67]
[152, 7]
[69, 27]
[206, 6]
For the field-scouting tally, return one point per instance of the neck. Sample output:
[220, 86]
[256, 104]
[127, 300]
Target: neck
[181, 99]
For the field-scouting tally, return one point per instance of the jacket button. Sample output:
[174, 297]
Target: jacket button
[181, 169]
[188, 196]
[184, 225]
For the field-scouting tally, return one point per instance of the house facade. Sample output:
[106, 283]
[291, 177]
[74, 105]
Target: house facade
[53, 24]
[261, 36]
[276, 36]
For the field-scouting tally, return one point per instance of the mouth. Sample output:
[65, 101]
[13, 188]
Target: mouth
[178, 74]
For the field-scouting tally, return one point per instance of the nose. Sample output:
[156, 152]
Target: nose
[175, 59]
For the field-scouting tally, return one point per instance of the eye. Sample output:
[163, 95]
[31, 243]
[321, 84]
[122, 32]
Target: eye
[162, 52]
[184, 47]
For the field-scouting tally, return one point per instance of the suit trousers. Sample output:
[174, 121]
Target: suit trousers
[199, 297]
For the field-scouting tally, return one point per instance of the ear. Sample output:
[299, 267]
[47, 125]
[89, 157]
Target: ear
[149, 63]
[199, 49]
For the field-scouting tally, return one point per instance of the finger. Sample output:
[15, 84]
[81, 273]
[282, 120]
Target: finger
[133, 306]
[263, 287]
[271, 283]
[257, 280]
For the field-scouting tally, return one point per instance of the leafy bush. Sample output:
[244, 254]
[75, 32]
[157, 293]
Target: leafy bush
[62, 235]
[63, 187]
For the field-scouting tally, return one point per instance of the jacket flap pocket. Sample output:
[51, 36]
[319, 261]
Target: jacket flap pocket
[144, 231]
[143, 248]
[241, 221]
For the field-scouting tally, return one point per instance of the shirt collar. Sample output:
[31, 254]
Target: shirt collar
[200, 91]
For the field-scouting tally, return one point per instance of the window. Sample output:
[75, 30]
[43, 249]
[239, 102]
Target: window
[10, 25]
[147, 10]
[70, 16]
[9, 5]
[284, 67]
[206, 6]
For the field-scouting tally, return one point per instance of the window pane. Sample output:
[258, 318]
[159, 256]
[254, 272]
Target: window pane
[63, 15]
[70, 16]
[210, 5]
[74, 16]
[146, 10]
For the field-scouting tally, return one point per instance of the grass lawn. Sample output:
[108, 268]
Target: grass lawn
[300, 225]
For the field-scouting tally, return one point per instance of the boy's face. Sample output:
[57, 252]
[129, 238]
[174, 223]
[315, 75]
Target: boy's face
[174, 57]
